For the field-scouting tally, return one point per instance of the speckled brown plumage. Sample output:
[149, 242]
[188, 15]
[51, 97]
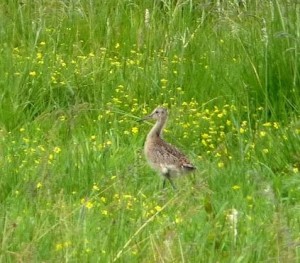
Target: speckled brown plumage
[162, 156]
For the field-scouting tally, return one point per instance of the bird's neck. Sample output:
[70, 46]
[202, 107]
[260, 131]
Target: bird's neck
[157, 129]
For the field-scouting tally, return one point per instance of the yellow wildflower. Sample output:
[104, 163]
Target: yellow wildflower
[242, 130]
[104, 212]
[58, 246]
[276, 125]
[262, 134]
[267, 124]
[178, 220]
[32, 73]
[158, 208]
[57, 149]
[220, 164]
[135, 130]
[236, 187]
[228, 122]
[95, 187]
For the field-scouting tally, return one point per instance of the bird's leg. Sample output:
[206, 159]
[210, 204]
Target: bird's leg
[168, 177]
[164, 183]
[172, 183]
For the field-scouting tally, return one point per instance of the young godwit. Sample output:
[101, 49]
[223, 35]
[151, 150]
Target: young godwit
[162, 156]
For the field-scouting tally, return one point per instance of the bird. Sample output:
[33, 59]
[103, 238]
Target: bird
[163, 157]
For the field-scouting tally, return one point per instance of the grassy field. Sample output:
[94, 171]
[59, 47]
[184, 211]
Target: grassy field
[75, 76]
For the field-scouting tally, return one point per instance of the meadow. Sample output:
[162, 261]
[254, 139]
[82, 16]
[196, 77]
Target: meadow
[76, 76]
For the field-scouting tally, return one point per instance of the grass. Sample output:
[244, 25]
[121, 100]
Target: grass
[75, 78]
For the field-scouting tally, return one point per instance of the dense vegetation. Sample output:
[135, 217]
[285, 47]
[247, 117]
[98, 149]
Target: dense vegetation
[75, 78]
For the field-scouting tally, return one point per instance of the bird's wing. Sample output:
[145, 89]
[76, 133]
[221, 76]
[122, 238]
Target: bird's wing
[175, 156]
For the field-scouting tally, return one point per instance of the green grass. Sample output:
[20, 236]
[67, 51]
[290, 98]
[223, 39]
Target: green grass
[75, 76]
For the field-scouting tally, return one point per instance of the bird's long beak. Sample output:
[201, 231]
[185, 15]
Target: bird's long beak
[145, 118]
